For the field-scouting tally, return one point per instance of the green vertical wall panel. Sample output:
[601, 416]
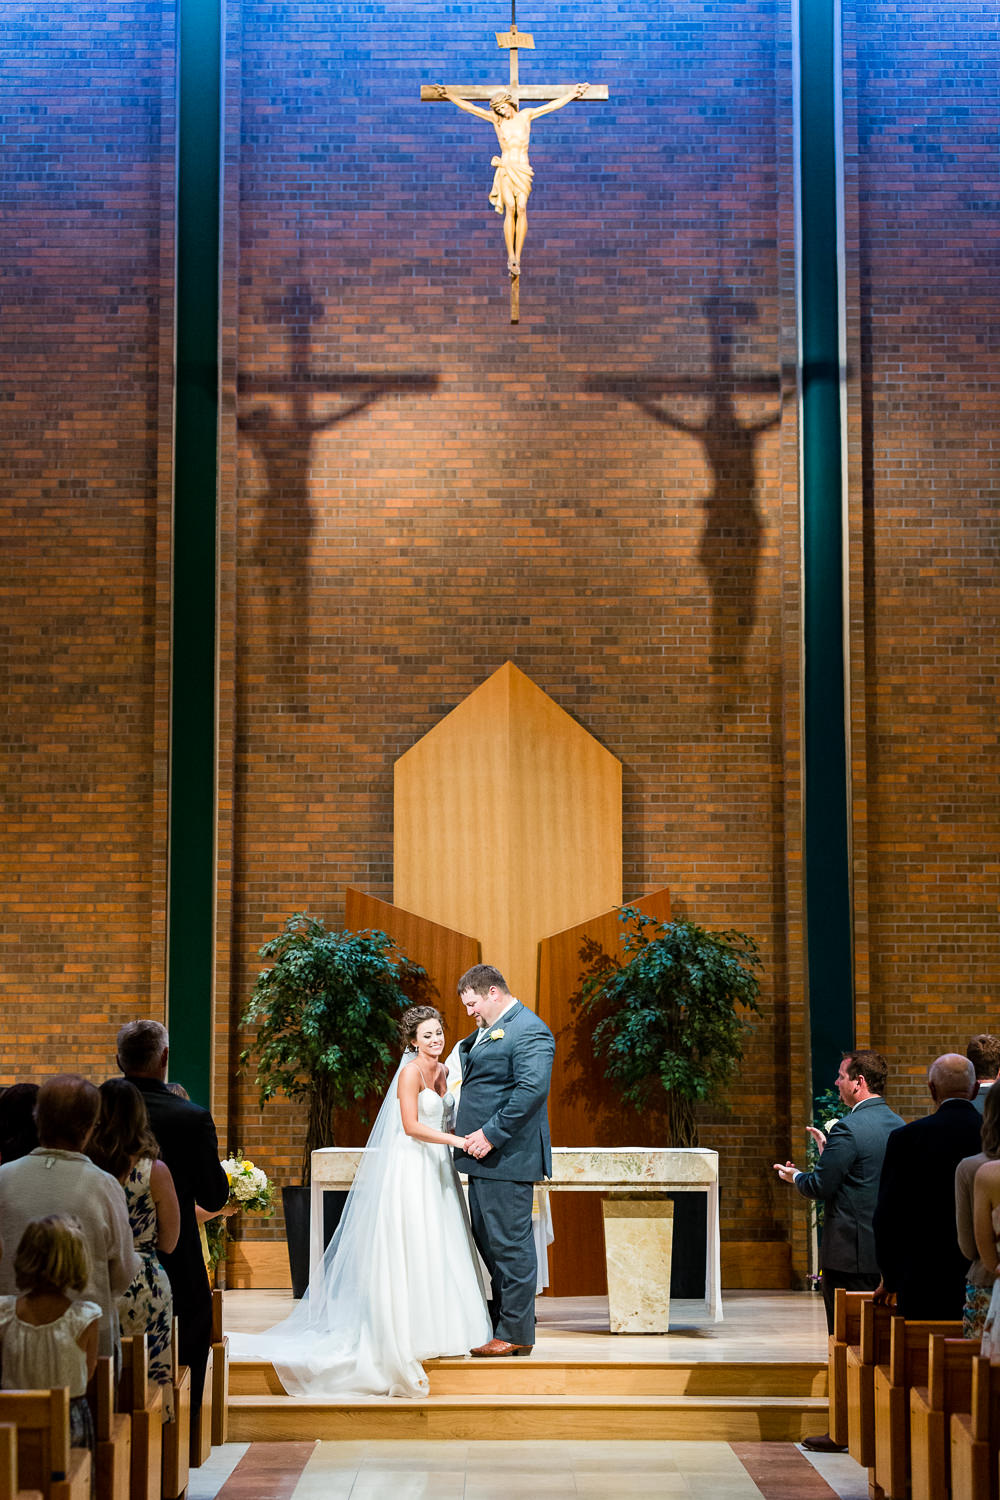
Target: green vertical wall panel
[190, 932]
[827, 847]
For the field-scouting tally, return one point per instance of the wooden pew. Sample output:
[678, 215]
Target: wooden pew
[975, 1437]
[220, 1374]
[871, 1349]
[846, 1331]
[908, 1342]
[45, 1460]
[9, 1489]
[948, 1389]
[142, 1398]
[177, 1432]
[113, 1431]
[201, 1435]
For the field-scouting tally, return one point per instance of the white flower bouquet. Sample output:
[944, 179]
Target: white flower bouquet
[249, 1191]
[248, 1185]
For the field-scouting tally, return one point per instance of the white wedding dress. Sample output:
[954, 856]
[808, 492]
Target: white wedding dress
[400, 1281]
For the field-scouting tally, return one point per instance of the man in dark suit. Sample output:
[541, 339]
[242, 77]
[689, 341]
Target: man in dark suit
[916, 1238]
[506, 1067]
[846, 1178]
[190, 1148]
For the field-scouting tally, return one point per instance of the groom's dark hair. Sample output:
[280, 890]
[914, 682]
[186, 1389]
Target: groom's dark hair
[480, 978]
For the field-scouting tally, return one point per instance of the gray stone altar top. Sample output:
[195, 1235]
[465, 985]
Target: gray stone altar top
[617, 1172]
[585, 1169]
[633, 1169]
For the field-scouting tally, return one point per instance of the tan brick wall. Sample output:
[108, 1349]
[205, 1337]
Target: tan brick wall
[417, 492]
[596, 494]
[928, 285]
[79, 862]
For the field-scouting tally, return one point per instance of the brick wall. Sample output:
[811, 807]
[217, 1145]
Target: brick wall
[416, 492]
[929, 241]
[593, 494]
[82, 92]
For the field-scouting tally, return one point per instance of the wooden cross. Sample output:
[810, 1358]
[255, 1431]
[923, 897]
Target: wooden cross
[512, 40]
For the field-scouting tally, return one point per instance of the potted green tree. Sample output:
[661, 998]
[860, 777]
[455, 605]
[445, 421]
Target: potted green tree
[668, 1022]
[670, 1016]
[326, 1012]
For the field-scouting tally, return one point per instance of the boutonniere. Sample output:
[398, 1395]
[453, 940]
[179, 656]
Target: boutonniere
[496, 1035]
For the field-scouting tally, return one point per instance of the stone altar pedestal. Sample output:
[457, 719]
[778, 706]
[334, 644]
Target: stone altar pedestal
[622, 1174]
[638, 1243]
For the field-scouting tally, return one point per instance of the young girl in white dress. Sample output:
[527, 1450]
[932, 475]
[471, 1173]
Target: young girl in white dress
[47, 1338]
[400, 1281]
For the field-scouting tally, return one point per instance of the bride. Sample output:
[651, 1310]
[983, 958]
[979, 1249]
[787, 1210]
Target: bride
[400, 1280]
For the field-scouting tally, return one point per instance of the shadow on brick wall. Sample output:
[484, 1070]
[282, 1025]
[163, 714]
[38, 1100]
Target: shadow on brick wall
[708, 409]
[283, 414]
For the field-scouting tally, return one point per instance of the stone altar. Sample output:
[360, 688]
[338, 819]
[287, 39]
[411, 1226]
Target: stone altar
[634, 1240]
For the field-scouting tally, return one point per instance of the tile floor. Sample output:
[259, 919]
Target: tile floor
[509, 1470]
[757, 1326]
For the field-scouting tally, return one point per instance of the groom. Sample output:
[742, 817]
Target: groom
[506, 1065]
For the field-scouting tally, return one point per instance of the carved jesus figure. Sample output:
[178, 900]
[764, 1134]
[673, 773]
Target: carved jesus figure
[513, 176]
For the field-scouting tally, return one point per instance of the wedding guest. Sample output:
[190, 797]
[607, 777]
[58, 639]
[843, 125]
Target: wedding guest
[916, 1238]
[202, 1214]
[978, 1279]
[983, 1052]
[846, 1177]
[57, 1178]
[845, 1180]
[124, 1145]
[986, 1221]
[48, 1336]
[18, 1134]
[190, 1148]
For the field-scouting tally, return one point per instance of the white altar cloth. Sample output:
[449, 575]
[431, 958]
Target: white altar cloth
[620, 1171]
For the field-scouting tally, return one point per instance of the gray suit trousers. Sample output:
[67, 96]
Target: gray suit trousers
[501, 1225]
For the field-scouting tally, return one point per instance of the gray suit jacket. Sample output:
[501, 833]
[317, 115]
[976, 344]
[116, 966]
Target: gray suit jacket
[846, 1180]
[505, 1086]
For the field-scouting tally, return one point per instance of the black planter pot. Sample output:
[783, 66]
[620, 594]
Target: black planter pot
[295, 1203]
[687, 1261]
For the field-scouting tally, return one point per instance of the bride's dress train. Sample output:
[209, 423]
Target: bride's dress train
[400, 1281]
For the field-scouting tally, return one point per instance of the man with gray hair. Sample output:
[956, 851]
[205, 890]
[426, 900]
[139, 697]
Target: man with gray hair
[916, 1235]
[190, 1148]
[56, 1178]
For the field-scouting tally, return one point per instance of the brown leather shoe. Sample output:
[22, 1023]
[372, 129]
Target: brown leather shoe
[497, 1348]
[824, 1444]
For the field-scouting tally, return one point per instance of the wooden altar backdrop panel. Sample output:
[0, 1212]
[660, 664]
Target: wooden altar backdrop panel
[443, 953]
[584, 1110]
[508, 824]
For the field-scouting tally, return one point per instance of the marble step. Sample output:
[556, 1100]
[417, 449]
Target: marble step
[266, 1418]
[550, 1377]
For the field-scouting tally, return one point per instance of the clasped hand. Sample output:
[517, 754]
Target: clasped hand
[477, 1146]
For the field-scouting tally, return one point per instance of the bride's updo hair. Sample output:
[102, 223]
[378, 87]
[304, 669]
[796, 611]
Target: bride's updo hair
[414, 1017]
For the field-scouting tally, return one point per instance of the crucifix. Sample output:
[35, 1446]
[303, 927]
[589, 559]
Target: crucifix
[513, 176]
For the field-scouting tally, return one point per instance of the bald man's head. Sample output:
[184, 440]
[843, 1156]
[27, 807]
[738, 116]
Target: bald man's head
[66, 1112]
[951, 1077]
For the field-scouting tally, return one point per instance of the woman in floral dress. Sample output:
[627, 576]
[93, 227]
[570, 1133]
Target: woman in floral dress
[124, 1145]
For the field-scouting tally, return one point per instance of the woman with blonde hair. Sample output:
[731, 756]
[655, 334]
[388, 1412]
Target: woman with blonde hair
[48, 1338]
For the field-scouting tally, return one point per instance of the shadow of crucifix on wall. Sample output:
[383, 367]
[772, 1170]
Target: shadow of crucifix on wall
[284, 413]
[708, 409]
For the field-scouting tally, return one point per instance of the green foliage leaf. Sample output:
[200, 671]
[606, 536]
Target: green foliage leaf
[325, 1013]
[669, 1021]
